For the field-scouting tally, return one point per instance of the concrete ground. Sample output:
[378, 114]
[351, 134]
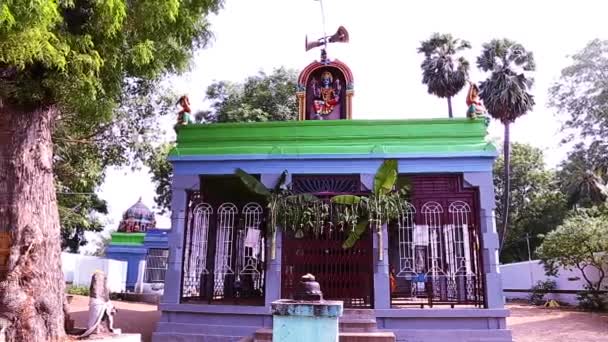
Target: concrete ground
[538, 324]
[528, 323]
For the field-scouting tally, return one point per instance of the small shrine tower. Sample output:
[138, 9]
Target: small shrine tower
[137, 219]
[325, 87]
[137, 240]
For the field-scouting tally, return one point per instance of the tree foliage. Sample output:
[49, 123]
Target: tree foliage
[83, 153]
[443, 71]
[583, 175]
[537, 205]
[580, 243]
[581, 93]
[580, 97]
[263, 97]
[505, 93]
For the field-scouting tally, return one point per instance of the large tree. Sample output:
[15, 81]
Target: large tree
[69, 61]
[443, 71]
[583, 175]
[263, 97]
[505, 94]
[537, 204]
[581, 99]
[581, 93]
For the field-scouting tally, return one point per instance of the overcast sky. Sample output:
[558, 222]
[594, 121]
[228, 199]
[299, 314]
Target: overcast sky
[253, 35]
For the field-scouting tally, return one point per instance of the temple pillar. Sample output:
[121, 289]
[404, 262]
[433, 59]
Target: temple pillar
[382, 288]
[484, 181]
[179, 202]
[273, 266]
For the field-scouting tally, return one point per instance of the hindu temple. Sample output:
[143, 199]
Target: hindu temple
[137, 239]
[429, 273]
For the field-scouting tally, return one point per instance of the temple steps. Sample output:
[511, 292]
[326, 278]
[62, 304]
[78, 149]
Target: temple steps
[367, 336]
[356, 325]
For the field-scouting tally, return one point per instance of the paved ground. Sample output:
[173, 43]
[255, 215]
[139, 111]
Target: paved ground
[537, 324]
[528, 323]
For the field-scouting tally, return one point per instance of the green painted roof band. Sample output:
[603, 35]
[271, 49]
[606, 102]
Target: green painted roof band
[128, 239]
[430, 136]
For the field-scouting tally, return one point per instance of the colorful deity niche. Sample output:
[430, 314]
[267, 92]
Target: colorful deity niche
[325, 91]
[326, 95]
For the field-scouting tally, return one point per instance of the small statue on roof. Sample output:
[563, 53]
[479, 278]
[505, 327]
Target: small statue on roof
[475, 107]
[184, 117]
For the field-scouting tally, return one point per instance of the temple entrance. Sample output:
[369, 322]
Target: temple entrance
[344, 274]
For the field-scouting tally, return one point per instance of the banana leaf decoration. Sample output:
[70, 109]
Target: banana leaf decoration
[376, 207]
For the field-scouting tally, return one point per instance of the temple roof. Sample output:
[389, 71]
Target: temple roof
[138, 218]
[419, 137]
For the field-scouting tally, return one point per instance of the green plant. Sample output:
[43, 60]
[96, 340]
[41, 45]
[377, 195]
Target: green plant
[592, 299]
[78, 290]
[381, 206]
[537, 297]
[291, 211]
[306, 212]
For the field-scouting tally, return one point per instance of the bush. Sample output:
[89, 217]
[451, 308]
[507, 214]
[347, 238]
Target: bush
[78, 290]
[540, 289]
[591, 300]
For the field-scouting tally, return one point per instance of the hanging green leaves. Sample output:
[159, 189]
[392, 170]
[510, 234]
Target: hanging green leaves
[252, 183]
[386, 177]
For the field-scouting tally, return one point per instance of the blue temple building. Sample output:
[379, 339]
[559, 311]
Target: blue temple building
[431, 274]
[137, 240]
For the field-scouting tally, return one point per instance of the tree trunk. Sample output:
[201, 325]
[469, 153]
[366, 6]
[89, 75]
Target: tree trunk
[32, 294]
[450, 107]
[507, 185]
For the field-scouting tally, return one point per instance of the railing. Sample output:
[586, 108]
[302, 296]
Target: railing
[434, 248]
[224, 256]
[156, 265]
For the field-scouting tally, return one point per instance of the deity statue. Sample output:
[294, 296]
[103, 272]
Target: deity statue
[476, 108]
[326, 96]
[184, 117]
[101, 310]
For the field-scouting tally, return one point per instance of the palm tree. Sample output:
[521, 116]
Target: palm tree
[585, 186]
[444, 75]
[505, 95]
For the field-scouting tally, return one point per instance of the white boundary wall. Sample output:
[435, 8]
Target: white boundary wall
[524, 275]
[78, 269]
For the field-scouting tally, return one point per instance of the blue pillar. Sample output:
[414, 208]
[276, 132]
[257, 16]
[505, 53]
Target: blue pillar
[173, 278]
[485, 182]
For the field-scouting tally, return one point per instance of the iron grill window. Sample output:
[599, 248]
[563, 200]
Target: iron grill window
[156, 265]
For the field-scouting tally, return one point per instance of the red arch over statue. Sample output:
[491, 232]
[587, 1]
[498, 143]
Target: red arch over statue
[310, 68]
[315, 98]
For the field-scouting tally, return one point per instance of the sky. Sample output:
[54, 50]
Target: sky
[254, 35]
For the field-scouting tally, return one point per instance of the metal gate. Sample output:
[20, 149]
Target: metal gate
[435, 245]
[344, 274]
